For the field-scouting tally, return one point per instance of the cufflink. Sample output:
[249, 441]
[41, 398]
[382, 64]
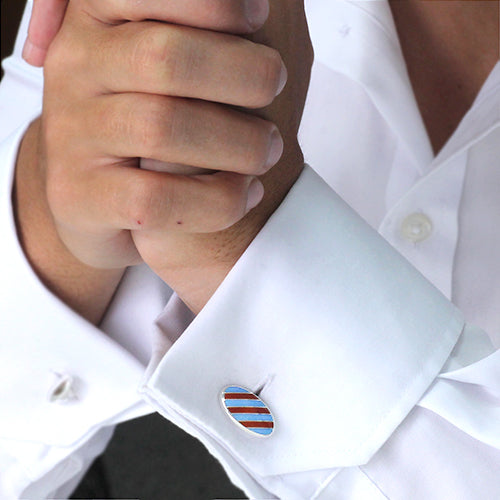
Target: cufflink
[62, 390]
[247, 410]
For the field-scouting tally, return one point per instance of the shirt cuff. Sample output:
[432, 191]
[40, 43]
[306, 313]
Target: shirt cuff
[42, 337]
[338, 333]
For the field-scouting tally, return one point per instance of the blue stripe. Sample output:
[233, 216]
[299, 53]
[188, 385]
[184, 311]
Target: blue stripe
[259, 430]
[235, 388]
[244, 402]
[256, 417]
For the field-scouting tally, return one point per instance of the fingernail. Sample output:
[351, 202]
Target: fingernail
[254, 194]
[32, 54]
[256, 12]
[275, 149]
[283, 78]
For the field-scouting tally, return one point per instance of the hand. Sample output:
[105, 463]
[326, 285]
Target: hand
[194, 265]
[117, 92]
[231, 17]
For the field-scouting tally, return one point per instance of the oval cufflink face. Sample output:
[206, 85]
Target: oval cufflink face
[248, 411]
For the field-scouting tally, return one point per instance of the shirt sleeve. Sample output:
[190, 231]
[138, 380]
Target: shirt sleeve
[43, 444]
[46, 447]
[338, 334]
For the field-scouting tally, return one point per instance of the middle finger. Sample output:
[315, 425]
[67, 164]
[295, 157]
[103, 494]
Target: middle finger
[185, 131]
[158, 58]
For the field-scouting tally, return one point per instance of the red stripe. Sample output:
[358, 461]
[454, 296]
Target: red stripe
[268, 425]
[248, 409]
[239, 395]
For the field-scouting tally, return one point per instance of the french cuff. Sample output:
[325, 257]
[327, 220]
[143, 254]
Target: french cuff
[48, 349]
[337, 333]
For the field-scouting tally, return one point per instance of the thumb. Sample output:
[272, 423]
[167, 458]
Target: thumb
[46, 19]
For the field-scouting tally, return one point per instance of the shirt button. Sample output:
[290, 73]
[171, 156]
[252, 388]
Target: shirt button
[416, 227]
[63, 389]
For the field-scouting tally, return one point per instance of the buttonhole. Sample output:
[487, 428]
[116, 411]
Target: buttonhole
[344, 30]
[264, 384]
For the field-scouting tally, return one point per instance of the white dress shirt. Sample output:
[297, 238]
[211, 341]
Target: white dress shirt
[379, 384]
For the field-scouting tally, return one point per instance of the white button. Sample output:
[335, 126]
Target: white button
[416, 227]
[62, 390]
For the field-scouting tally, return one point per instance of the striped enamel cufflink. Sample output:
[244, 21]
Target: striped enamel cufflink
[247, 410]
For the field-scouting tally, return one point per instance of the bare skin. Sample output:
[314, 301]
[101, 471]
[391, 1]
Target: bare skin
[450, 47]
[86, 289]
[80, 200]
[194, 265]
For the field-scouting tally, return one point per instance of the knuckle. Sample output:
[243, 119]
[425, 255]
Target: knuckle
[151, 125]
[159, 127]
[66, 55]
[158, 54]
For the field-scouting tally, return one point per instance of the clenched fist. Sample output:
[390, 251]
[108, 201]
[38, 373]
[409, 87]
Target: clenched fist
[119, 88]
[195, 264]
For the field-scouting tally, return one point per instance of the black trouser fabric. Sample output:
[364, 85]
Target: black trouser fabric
[151, 459]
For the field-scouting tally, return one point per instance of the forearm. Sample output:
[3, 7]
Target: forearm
[85, 289]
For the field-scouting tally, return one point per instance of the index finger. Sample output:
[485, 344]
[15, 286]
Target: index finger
[229, 16]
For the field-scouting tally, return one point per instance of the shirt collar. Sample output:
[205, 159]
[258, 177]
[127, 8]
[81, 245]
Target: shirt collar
[480, 120]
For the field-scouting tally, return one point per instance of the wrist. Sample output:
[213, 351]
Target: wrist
[195, 276]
